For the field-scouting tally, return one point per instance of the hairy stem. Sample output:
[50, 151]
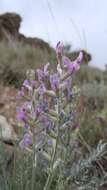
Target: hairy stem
[51, 174]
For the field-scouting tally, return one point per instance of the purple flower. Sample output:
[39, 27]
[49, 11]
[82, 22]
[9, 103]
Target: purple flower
[29, 85]
[80, 58]
[62, 114]
[59, 49]
[21, 93]
[73, 66]
[44, 104]
[26, 141]
[43, 73]
[41, 107]
[21, 114]
[38, 111]
[22, 111]
[42, 89]
[54, 81]
[50, 142]
[26, 84]
[40, 74]
[26, 126]
[34, 83]
[46, 121]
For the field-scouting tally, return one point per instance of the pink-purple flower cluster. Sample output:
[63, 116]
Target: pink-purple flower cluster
[74, 66]
[47, 99]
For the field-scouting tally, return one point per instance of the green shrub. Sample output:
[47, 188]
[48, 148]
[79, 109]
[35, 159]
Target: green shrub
[16, 59]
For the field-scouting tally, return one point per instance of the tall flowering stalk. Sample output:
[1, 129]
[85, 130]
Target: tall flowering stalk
[48, 114]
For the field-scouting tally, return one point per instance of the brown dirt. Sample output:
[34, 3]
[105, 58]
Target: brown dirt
[8, 102]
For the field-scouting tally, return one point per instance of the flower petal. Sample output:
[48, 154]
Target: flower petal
[59, 48]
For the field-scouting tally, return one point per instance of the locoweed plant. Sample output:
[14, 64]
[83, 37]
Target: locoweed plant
[48, 114]
[49, 128]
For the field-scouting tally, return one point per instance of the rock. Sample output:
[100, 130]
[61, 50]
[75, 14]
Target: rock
[9, 25]
[9, 31]
[6, 160]
[7, 133]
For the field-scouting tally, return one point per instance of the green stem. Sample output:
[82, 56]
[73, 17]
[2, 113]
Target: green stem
[51, 172]
[50, 176]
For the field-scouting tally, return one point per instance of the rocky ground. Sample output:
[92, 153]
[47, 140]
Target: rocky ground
[8, 101]
[8, 129]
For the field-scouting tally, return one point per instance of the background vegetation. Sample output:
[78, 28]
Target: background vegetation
[15, 60]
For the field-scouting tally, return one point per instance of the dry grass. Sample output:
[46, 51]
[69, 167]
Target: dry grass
[15, 59]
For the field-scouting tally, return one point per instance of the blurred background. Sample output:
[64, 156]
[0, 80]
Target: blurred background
[29, 31]
[82, 24]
